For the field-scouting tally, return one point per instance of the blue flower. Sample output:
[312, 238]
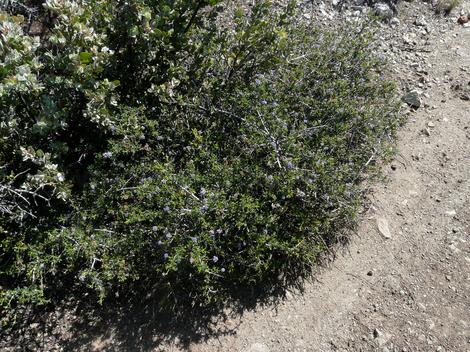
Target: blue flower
[194, 239]
[165, 256]
[107, 155]
[222, 270]
[166, 208]
[215, 259]
[289, 165]
[154, 228]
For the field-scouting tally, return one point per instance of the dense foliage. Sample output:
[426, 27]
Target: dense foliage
[188, 143]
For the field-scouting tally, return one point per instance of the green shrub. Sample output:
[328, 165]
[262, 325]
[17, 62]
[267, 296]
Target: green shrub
[182, 143]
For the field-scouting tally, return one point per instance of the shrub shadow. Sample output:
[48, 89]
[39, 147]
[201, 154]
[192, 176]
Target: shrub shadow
[131, 324]
[137, 321]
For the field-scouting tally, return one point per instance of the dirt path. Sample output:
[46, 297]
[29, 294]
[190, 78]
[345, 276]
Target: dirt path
[410, 292]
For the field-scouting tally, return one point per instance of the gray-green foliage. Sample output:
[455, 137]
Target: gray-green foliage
[180, 143]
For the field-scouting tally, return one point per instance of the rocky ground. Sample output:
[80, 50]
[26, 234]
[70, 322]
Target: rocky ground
[403, 283]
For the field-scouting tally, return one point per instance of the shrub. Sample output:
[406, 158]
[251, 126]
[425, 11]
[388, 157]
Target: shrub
[181, 143]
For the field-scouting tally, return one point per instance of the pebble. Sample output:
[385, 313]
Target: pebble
[412, 98]
[394, 21]
[382, 225]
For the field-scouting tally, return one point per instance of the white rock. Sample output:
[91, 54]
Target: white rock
[451, 212]
[394, 21]
[382, 225]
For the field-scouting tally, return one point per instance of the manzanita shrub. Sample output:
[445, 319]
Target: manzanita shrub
[191, 144]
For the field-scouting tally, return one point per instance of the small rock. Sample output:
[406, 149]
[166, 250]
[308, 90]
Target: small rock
[383, 10]
[394, 21]
[412, 98]
[462, 19]
[431, 124]
[420, 22]
[393, 167]
[451, 212]
[382, 225]
[34, 326]
[370, 273]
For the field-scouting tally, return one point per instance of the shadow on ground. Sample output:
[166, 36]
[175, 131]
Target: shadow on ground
[140, 322]
[133, 324]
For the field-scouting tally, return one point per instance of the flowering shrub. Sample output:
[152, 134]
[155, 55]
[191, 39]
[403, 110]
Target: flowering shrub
[183, 143]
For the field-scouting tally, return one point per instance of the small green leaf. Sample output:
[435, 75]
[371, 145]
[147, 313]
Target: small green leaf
[85, 57]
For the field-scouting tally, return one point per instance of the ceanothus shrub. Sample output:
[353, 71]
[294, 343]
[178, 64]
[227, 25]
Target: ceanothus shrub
[187, 144]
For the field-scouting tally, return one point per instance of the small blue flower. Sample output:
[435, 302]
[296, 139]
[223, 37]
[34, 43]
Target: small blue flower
[202, 191]
[219, 231]
[289, 165]
[222, 270]
[166, 209]
[159, 138]
[215, 259]
[107, 155]
[194, 239]
[154, 228]
[168, 235]
[159, 243]
[165, 256]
